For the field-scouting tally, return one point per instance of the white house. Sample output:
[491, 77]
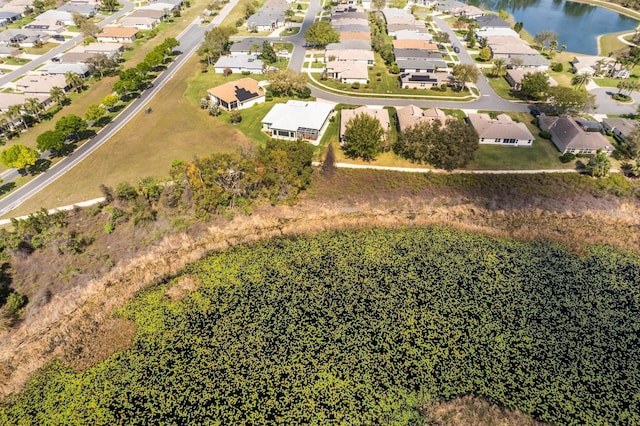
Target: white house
[348, 71]
[240, 94]
[295, 120]
[501, 130]
[238, 64]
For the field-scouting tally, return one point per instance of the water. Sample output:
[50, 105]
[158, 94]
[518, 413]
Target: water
[577, 24]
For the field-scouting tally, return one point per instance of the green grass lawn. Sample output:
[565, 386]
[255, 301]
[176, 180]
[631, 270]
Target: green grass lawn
[290, 31]
[40, 50]
[500, 85]
[609, 43]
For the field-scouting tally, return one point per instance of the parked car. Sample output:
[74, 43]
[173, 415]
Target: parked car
[456, 49]
[58, 37]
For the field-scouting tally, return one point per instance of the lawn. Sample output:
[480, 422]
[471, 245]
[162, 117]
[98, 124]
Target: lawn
[609, 43]
[289, 31]
[40, 50]
[500, 85]
[177, 129]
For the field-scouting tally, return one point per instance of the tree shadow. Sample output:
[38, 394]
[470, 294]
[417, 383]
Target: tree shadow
[42, 165]
[117, 108]
[7, 187]
[103, 121]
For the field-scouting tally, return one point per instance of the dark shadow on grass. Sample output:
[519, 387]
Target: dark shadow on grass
[103, 121]
[42, 165]
[117, 108]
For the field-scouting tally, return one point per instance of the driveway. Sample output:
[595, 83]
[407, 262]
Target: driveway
[607, 105]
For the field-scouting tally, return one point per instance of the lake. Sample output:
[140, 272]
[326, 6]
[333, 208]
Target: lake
[577, 24]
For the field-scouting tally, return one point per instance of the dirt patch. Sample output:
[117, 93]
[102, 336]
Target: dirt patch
[182, 286]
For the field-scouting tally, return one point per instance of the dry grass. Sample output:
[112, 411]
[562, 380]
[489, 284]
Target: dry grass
[470, 411]
[146, 146]
[72, 319]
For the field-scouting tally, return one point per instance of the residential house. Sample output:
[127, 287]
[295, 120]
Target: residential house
[411, 115]
[448, 5]
[404, 54]
[423, 80]
[354, 35]
[349, 45]
[621, 128]
[64, 18]
[505, 46]
[112, 50]
[9, 16]
[240, 94]
[364, 56]
[17, 6]
[63, 68]
[165, 7]
[7, 100]
[266, 19]
[514, 77]
[415, 44]
[418, 27]
[31, 84]
[348, 71]
[7, 51]
[22, 38]
[297, 120]
[143, 19]
[533, 62]
[239, 64]
[352, 28]
[491, 21]
[117, 34]
[247, 46]
[592, 65]
[421, 65]
[501, 130]
[569, 137]
[379, 114]
[349, 15]
[468, 11]
[485, 33]
[87, 10]
[349, 21]
[413, 35]
[46, 26]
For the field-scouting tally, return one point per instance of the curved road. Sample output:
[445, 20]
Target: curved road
[190, 40]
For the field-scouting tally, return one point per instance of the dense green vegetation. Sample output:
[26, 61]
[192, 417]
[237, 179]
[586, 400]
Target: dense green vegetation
[365, 327]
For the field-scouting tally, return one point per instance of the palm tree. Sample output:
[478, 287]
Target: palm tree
[15, 113]
[581, 79]
[499, 66]
[33, 107]
[74, 81]
[600, 64]
[57, 95]
[622, 85]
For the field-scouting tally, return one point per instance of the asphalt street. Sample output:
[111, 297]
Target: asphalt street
[190, 40]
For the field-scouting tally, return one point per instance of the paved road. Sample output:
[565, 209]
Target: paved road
[190, 40]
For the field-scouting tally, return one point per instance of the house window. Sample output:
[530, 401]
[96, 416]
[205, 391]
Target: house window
[498, 140]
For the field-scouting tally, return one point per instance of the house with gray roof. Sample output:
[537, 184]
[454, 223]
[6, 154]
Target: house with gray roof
[266, 19]
[22, 38]
[417, 54]
[64, 17]
[9, 15]
[349, 44]
[413, 35]
[87, 10]
[238, 64]
[63, 68]
[492, 21]
[569, 137]
[295, 120]
[352, 28]
[621, 128]
[421, 65]
[246, 46]
[423, 80]
[501, 130]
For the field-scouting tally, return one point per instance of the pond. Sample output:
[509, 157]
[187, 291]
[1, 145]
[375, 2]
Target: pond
[577, 24]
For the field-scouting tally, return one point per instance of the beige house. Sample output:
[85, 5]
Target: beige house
[501, 130]
[118, 34]
[381, 114]
[240, 94]
[348, 71]
[411, 115]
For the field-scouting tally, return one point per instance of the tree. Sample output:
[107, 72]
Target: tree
[286, 82]
[284, 169]
[503, 14]
[94, 112]
[235, 117]
[378, 4]
[109, 5]
[320, 34]
[580, 80]
[74, 81]
[268, 55]
[362, 137]
[110, 101]
[101, 64]
[465, 73]
[448, 145]
[598, 165]
[564, 99]
[89, 29]
[499, 67]
[441, 37]
[19, 156]
[14, 112]
[153, 59]
[216, 42]
[629, 146]
[516, 62]
[535, 85]
[34, 107]
[485, 53]
[553, 47]
[57, 95]
[51, 140]
[544, 38]
[71, 125]
[518, 26]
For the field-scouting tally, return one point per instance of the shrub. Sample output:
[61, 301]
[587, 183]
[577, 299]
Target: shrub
[567, 157]
[544, 134]
[245, 72]
[355, 86]
[15, 302]
[558, 67]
